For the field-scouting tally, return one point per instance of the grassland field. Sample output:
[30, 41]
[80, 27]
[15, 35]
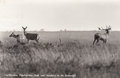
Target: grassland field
[74, 55]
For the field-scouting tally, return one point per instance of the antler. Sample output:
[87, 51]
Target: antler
[103, 28]
[109, 27]
[99, 28]
[26, 27]
[106, 27]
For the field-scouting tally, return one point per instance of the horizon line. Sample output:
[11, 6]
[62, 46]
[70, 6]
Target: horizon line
[53, 30]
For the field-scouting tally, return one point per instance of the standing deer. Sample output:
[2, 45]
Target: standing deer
[102, 37]
[30, 36]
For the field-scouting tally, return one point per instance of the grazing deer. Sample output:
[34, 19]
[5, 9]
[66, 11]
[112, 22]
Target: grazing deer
[30, 36]
[17, 37]
[102, 37]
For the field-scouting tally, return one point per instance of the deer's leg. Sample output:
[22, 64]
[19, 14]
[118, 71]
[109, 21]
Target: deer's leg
[36, 40]
[94, 41]
[97, 41]
[27, 40]
[105, 41]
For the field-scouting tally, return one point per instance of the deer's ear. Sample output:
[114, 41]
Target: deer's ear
[23, 27]
[26, 27]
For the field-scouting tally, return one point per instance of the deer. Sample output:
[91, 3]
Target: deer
[103, 37]
[30, 36]
[17, 37]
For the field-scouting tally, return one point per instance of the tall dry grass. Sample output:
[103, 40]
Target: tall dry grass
[74, 55]
[69, 57]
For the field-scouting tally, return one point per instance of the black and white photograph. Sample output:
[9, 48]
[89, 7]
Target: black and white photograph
[59, 39]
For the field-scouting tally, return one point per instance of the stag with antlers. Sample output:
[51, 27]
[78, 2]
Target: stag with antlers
[30, 36]
[102, 37]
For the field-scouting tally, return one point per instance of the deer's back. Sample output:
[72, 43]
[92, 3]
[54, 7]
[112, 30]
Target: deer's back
[31, 36]
[97, 35]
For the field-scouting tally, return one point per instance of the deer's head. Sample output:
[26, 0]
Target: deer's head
[12, 34]
[107, 29]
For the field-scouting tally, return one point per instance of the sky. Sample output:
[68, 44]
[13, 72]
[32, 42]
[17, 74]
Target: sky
[55, 15]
